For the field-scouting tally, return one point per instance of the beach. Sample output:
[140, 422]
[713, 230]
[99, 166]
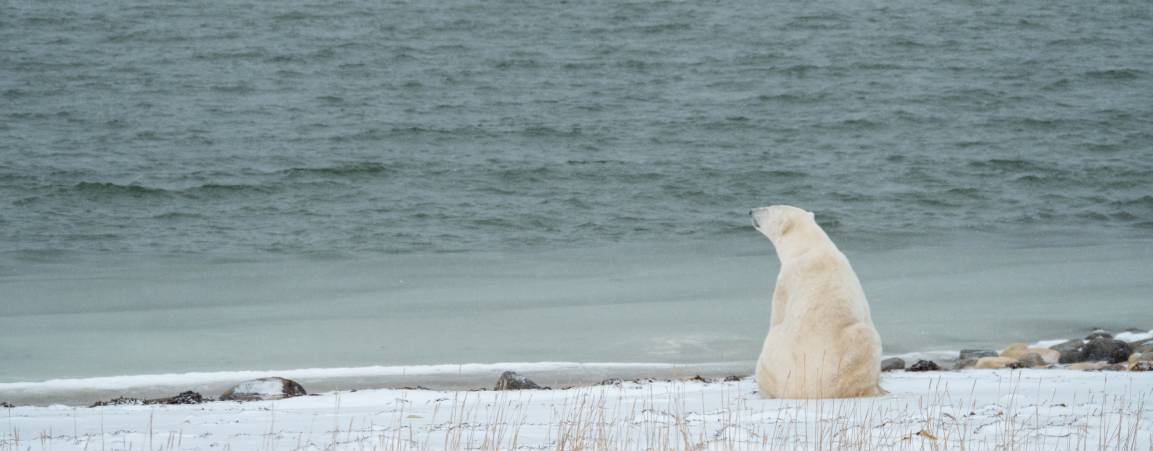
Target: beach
[1082, 393]
[971, 409]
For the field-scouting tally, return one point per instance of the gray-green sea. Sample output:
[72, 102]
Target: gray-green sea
[231, 185]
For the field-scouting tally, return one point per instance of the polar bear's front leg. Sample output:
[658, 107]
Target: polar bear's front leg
[780, 301]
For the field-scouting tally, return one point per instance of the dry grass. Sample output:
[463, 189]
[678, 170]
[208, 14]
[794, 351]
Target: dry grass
[641, 417]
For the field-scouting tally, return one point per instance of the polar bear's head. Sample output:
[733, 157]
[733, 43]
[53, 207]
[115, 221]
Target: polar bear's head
[779, 221]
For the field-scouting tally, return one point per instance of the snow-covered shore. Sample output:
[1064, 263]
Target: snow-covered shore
[972, 409]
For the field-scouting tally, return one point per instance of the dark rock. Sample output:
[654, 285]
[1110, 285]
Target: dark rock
[188, 397]
[611, 381]
[509, 380]
[924, 365]
[975, 354]
[1099, 333]
[268, 388]
[892, 364]
[4, 405]
[119, 401]
[963, 364]
[1070, 351]
[698, 378]
[733, 378]
[1106, 349]
[418, 387]
[1141, 365]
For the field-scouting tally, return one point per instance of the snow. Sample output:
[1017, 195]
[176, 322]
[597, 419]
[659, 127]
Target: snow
[973, 409]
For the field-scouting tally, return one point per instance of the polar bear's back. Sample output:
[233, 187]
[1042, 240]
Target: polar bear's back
[824, 291]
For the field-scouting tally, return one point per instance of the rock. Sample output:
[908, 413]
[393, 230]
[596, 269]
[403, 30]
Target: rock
[1030, 360]
[1106, 349]
[698, 378]
[1141, 365]
[611, 381]
[263, 389]
[1086, 366]
[509, 380]
[993, 363]
[5, 405]
[1069, 351]
[733, 378]
[924, 365]
[1115, 367]
[892, 364]
[119, 401]
[1019, 350]
[1099, 333]
[188, 397]
[1015, 350]
[974, 354]
[965, 364]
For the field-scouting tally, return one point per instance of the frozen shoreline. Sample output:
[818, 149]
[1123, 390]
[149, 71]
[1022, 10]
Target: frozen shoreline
[85, 391]
[468, 376]
[1013, 409]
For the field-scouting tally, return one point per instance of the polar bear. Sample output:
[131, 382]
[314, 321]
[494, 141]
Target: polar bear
[821, 341]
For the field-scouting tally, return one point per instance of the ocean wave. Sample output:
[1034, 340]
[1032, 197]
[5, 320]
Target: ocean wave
[339, 170]
[114, 189]
[1117, 74]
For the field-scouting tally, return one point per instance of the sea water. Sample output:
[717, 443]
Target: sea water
[202, 186]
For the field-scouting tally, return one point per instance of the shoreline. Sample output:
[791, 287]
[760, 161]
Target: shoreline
[1015, 407]
[481, 376]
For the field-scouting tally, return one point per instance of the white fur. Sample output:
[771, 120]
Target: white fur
[821, 341]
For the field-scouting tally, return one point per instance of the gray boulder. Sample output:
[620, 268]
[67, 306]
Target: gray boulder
[1106, 349]
[263, 389]
[1030, 360]
[1143, 346]
[974, 354]
[509, 380]
[892, 364]
[1070, 351]
[964, 364]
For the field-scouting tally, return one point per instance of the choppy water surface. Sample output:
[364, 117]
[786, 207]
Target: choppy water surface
[144, 144]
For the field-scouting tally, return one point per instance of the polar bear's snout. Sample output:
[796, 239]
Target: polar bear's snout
[759, 215]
